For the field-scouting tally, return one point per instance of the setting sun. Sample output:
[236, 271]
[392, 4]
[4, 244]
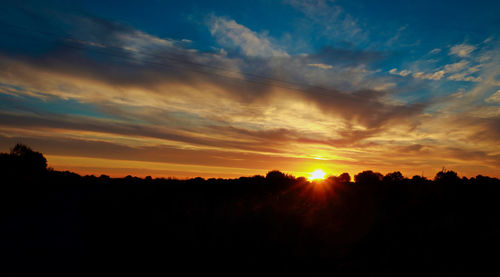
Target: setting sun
[317, 175]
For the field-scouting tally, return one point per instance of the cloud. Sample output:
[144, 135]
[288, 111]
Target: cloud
[403, 73]
[320, 65]
[456, 66]
[188, 138]
[462, 50]
[243, 107]
[494, 98]
[231, 34]
[347, 56]
[435, 51]
[460, 71]
[488, 40]
[365, 107]
[331, 19]
[463, 77]
[396, 37]
[102, 33]
[438, 75]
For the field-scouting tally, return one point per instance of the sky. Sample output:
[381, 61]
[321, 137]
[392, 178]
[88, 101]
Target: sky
[238, 88]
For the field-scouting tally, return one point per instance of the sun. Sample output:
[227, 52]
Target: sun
[317, 174]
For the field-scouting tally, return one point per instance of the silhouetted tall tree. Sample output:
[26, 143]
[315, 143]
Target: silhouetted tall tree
[29, 161]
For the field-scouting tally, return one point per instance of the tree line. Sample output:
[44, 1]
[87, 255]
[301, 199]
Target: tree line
[61, 223]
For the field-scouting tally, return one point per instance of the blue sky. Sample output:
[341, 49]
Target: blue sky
[343, 85]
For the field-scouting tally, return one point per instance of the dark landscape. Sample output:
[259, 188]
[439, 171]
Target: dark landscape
[61, 223]
[211, 137]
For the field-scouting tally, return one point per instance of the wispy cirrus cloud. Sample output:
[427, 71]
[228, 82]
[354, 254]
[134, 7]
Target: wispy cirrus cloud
[231, 34]
[333, 21]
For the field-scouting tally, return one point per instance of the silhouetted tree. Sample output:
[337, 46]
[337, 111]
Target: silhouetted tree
[277, 178]
[344, 178]
[26, 161]
[5, 162]
[275, 175]
[446, 176]
[393, 177]
[368, 178]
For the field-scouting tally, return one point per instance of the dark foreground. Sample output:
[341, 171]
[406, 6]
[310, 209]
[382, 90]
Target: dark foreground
[59, 223]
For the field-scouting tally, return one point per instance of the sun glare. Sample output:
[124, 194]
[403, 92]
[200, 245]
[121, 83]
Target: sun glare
[317, 174]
